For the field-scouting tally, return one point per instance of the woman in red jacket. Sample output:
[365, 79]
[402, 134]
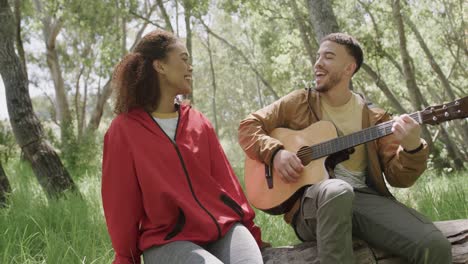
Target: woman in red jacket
[168, 190]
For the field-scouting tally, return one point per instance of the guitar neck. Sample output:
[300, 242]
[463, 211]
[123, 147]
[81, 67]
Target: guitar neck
[341, 143]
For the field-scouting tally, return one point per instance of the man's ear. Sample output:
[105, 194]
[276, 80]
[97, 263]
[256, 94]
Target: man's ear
[158, 66]
[351, 68]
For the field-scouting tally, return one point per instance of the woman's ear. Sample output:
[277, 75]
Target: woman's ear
[158, 66]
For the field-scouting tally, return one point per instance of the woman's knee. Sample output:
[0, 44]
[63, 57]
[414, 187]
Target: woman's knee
[179, 252]
[237, 247]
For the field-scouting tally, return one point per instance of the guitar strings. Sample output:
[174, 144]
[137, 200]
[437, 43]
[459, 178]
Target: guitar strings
[326, 148]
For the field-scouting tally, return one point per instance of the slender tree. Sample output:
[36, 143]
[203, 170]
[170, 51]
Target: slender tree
[207, 45]
[46, 164]
[106, 91]
[417, 99]
[51, 27]
[306, 41]
[188, 12]
[438, 70]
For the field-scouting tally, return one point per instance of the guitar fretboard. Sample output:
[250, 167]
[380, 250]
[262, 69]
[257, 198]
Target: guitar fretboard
[338, 144]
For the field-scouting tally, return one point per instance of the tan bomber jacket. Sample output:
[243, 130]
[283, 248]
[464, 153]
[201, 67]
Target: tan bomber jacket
[300, 109]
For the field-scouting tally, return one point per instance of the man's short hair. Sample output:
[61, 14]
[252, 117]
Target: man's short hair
[352, 46]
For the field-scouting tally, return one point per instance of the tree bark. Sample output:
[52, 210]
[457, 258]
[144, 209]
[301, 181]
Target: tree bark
[50, 30]
[378, 37]
[104, 95]
[384, 88]
[440, 74]
[456, 231]
[19, 40]
[46, 164]
[77, 103]
[5, 187]
[213, 82]
[452, 150]
[324, 21]
[188, 29]
[304, 36]
[417, 99]
[165, 16]
[323, 18]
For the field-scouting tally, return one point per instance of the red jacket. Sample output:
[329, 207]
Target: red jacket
[155, 191]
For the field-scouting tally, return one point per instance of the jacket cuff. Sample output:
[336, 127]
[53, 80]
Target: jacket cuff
[418, 155]
[421, 146]
[274, 152]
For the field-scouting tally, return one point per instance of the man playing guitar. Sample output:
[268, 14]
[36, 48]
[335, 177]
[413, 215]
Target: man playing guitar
[352, 200]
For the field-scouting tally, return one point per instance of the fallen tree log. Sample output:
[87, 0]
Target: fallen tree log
[455, 230]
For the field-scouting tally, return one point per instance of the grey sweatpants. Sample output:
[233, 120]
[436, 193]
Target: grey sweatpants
[237, 247]
[332, 212]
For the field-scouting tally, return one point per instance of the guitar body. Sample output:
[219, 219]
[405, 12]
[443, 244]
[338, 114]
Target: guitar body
[280, 198]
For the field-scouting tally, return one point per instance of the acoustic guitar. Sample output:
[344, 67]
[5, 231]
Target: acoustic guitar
[314, 145]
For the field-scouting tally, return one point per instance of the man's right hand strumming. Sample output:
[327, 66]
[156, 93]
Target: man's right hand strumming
[287, 165]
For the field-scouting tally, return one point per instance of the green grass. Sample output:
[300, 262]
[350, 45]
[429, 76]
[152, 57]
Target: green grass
[72, 230]
[69, 230]
[439, 197]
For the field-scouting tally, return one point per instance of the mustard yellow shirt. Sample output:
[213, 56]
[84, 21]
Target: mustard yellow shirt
[347, 119]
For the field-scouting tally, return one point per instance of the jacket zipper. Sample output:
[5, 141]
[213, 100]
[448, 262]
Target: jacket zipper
[186, 172]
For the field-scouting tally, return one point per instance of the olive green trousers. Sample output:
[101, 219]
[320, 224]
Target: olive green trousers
[332, 213]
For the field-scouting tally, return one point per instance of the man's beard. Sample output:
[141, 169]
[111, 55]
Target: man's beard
[334, 79]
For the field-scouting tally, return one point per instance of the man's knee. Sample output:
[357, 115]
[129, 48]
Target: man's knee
[435, 249]
[332, 189]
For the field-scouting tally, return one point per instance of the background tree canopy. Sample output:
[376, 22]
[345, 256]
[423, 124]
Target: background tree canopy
[246, 54]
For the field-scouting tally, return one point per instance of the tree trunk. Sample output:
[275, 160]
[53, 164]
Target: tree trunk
[77, 103]
[164, 14]
[188, 29]
[104, 95]
[410, 78]
[50, 30]
[384, 88]
[19, 41]
[82, 120]
[213, 81]
[302, 29]
[378, 38]
[324, 21]
[452, 150]
[456, 231]
[5, 188]
[46, 164]
[323, 18]
[435, 66]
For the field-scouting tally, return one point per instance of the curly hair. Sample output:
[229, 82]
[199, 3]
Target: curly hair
[134, 80]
